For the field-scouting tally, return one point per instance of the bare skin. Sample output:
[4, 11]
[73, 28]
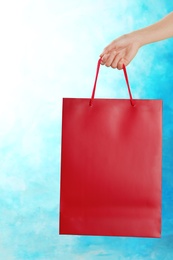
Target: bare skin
[123, 49]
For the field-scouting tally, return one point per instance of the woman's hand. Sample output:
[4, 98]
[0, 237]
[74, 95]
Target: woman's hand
[121, 51]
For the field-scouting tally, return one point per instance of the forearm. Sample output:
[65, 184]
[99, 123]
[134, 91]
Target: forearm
[161, 30]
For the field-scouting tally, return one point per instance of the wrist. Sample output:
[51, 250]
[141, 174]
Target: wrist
[138, 38]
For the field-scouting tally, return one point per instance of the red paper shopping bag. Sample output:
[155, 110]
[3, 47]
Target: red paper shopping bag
[111, 166]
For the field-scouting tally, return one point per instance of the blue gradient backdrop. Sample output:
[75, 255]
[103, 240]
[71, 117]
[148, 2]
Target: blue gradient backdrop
[49, 50]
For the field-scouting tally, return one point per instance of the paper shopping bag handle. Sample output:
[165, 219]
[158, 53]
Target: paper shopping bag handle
[95, 82]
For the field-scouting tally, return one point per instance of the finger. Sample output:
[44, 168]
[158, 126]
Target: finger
[116, 61]
[109, 48]
[103, 53]
[110, 58]
[104, 58]
[121, 62]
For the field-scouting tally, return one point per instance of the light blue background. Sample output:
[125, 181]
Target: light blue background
[49, 50]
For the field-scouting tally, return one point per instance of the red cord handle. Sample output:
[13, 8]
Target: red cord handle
[95, 82]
